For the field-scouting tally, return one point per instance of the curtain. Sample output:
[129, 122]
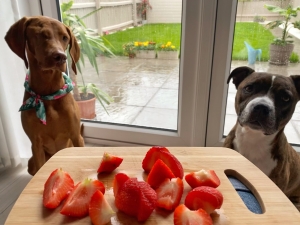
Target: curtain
[14, 144]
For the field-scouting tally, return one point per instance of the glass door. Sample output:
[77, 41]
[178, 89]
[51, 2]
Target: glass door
[147, 68]
[251, 28]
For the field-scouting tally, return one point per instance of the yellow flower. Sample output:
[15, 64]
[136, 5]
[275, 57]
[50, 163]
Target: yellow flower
[173, 46]
[162, 46]
[169, 43]
[136, 43]
[146, 43]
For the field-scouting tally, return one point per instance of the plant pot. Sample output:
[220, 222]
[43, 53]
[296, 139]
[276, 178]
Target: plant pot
[280, 54]
[145, 54]
[87, 107]
[167, 54]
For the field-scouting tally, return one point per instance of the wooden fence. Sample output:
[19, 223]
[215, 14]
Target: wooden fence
[114, 15]
[119, 14]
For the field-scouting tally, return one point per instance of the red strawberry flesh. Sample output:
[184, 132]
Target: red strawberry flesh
[184, 216]
[57, 188]
[77, 203]
[207, 198]
[159, 172]
[100, 211]
[109, 163]
[203, 178]
[169, 193]
[159, 152]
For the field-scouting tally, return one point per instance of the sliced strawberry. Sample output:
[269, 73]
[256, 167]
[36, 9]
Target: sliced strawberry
[77, 203]
[118, 181]
[109, 163]
[169, 193]
[148, 201]
[158, 152]
[159, 172]
[136, 198]
[207, 198]
[184, 216]
[128, 197]
[56, 188]
[203, 178]
[99, 210]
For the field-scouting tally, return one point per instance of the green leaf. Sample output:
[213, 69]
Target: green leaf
[91, 13]
[66, 6]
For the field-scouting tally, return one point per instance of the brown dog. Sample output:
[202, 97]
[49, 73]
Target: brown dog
[264, 104]
[51, 117]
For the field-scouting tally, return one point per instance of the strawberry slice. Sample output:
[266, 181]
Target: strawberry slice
[147, 202]
[57, 188]
[99, 210]
[203, 178]
[136, 198]
[207, 198]
[118, 181]
[159, 172]
[77, 203]
[184, 216]
[169, 193]
[159, 152]
[109, 163]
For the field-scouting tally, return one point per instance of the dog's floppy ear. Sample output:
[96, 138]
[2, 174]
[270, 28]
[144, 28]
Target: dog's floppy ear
[16, 38]
[74, 49]
[239, 74]
[296, 80]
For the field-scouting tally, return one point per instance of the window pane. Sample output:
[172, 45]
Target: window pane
[136, 68]
[251, 47]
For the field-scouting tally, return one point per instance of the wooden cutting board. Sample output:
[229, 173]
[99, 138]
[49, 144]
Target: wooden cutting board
[84, 162]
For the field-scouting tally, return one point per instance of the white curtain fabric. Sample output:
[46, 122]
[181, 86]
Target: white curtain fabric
[14, 144]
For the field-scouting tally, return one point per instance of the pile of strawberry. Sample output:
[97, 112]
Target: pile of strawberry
[163, 189]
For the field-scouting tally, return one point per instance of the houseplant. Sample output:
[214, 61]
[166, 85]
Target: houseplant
[282, 47]
[91, 46]
[142, 8]
[167, 51]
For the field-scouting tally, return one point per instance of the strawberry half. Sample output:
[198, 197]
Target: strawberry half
[169, 193]
[203, 178]
[184, 216]
[136, 198]
[207, 198]
[57, 188]
[159, 152]
[77, 203]
[109, 163]
[99, 210]
[118, 181]
[159, 172]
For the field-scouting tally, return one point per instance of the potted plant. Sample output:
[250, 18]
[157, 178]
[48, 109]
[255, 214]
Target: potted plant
[282, 47]
[91, 46]
[145, 50]
[142, 8]
[129, 50]
[167, 51]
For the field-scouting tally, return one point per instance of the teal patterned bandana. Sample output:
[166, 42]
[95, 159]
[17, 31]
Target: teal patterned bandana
[36, 101]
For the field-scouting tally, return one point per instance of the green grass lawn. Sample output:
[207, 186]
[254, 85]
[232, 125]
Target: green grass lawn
[254, 33]
[159, 33]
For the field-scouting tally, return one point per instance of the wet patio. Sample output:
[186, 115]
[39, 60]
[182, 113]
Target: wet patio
[145, 92]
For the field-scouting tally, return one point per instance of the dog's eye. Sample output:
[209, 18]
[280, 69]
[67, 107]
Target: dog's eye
[248, 89]
[285, 98]
[65, 38]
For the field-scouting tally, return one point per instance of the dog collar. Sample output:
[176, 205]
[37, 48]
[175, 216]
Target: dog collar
[36, 101]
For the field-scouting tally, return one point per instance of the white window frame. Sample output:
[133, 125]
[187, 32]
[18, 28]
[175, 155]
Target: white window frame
[198, 27]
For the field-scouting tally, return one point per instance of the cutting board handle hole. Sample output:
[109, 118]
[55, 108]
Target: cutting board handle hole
[246, 191]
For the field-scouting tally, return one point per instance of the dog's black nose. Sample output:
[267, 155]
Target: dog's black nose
[261, 109]
[59, 57]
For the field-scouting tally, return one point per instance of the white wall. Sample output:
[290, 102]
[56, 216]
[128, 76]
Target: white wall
[165, 11]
